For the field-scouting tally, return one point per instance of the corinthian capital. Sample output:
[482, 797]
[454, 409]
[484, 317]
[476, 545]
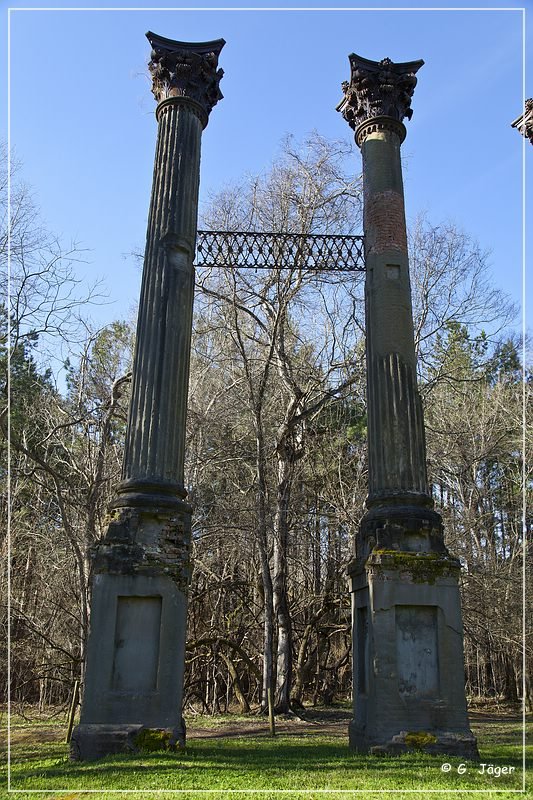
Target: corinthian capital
[378, 89]
[524, 123]
[186, 69]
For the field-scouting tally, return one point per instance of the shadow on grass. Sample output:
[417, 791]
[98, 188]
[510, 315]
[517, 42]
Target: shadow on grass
[268, 760]
[285, 762]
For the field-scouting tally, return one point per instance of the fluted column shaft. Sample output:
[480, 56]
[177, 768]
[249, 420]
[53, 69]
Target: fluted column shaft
[186, 86]
[396, 445]
[376, 99]
[155, 437]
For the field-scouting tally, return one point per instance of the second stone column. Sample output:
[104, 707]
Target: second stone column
[407, 631]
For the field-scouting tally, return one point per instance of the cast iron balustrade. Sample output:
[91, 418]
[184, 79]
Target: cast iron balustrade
[257, 250]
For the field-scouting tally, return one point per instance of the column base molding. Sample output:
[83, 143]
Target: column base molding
[150, 494]
[398, 527]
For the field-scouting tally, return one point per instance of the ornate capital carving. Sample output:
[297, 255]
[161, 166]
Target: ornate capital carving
[186, 70]
[378, 89]
[524, 123]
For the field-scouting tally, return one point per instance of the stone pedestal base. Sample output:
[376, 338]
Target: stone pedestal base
[91, 742]
[463, 745]
[408, 648]
[133, 689]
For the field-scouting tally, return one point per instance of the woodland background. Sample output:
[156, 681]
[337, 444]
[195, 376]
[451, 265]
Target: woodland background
[276, 454]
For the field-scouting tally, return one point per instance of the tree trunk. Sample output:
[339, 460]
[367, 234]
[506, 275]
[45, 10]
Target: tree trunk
[235, 684]
[281, 602]
[266, 577]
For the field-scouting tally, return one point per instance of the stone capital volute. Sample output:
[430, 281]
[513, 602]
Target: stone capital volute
[187, 72]
[379, 93]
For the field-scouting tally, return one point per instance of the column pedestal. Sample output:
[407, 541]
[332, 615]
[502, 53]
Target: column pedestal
[408, 639]
[133, 689]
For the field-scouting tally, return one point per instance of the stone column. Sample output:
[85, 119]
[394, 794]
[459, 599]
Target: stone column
[407, 630]
[141, 570]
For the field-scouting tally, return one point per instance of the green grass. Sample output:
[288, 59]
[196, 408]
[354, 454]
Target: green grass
[302, 760]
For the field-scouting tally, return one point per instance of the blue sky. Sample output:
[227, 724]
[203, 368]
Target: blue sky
[82, 115]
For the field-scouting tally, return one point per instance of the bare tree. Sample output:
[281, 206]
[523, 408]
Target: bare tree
[60, 445]
[273, 319]
[451, 284]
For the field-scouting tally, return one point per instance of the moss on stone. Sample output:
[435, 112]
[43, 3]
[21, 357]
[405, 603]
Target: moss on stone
[151, 739]
[423, 567]
[419, 739]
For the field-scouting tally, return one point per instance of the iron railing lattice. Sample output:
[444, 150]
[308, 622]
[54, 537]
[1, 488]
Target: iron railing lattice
[255, 250]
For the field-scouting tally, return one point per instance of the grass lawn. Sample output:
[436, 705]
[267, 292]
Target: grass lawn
[311, 759]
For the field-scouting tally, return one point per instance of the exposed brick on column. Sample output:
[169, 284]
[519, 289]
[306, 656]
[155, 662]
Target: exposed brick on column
[384, 222]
